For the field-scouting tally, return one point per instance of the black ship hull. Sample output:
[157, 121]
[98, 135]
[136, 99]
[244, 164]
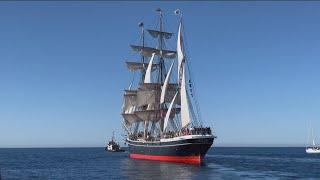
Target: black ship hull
[186, 149]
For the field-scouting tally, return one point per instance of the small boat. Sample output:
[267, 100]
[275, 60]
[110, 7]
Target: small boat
[314, 148]
[113, 146]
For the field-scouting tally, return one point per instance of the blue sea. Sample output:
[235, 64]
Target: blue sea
[95, 163]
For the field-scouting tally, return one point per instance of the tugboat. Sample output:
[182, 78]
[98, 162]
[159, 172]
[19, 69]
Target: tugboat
[113, 146]
[160, 112]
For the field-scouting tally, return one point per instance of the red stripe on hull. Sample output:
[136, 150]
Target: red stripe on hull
[178, 159]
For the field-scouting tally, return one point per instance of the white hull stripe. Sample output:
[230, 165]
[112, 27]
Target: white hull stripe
[147, 145]
[189, 137]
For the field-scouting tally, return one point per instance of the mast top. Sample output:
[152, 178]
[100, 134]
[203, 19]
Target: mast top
[178, 12]
[159, 11]
[140, 24]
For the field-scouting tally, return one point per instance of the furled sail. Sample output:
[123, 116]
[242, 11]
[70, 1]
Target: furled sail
[166, 119]
[128, 92]
[157, 86]
[133, 66]
[185, 111]
[148, 51]
[180, 50]
[148, 76]
[166, 82]
[156, 34]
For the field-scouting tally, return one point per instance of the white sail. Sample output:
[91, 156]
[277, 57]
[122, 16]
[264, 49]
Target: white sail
[148, 115]
[130, 118]
[148, 75]
[171, 89]
[154, 115]
[146, 97]
[129, 106]
[180, 50]
[185, 111]
[166, 82]
[313, 143]
[130, 100]
[166, 119]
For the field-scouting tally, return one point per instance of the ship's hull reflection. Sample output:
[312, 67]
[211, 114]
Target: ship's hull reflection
[144, 169]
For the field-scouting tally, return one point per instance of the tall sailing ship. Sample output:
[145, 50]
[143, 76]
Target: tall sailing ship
[160, 111]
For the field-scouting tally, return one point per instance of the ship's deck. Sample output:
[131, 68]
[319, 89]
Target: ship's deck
[178, 138]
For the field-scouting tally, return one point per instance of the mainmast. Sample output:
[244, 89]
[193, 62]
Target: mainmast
[162, 65]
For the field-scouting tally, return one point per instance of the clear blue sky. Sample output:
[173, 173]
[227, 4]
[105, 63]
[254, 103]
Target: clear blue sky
[62, 72]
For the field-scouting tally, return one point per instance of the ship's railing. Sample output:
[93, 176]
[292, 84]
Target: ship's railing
[172, 134]
[136, 137]
[188, 131]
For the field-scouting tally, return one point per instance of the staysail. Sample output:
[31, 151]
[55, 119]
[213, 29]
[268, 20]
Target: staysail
[180, 54]
[166, 119]
[185, 111]
[148, 75]
[166, 82]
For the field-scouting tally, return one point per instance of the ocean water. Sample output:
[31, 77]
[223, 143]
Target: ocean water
[95, 163]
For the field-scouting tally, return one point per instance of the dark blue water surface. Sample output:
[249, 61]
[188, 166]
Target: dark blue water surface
[95, 163]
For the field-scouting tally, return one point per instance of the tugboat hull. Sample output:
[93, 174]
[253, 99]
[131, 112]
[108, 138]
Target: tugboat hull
[119, 150]
[185, 149]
